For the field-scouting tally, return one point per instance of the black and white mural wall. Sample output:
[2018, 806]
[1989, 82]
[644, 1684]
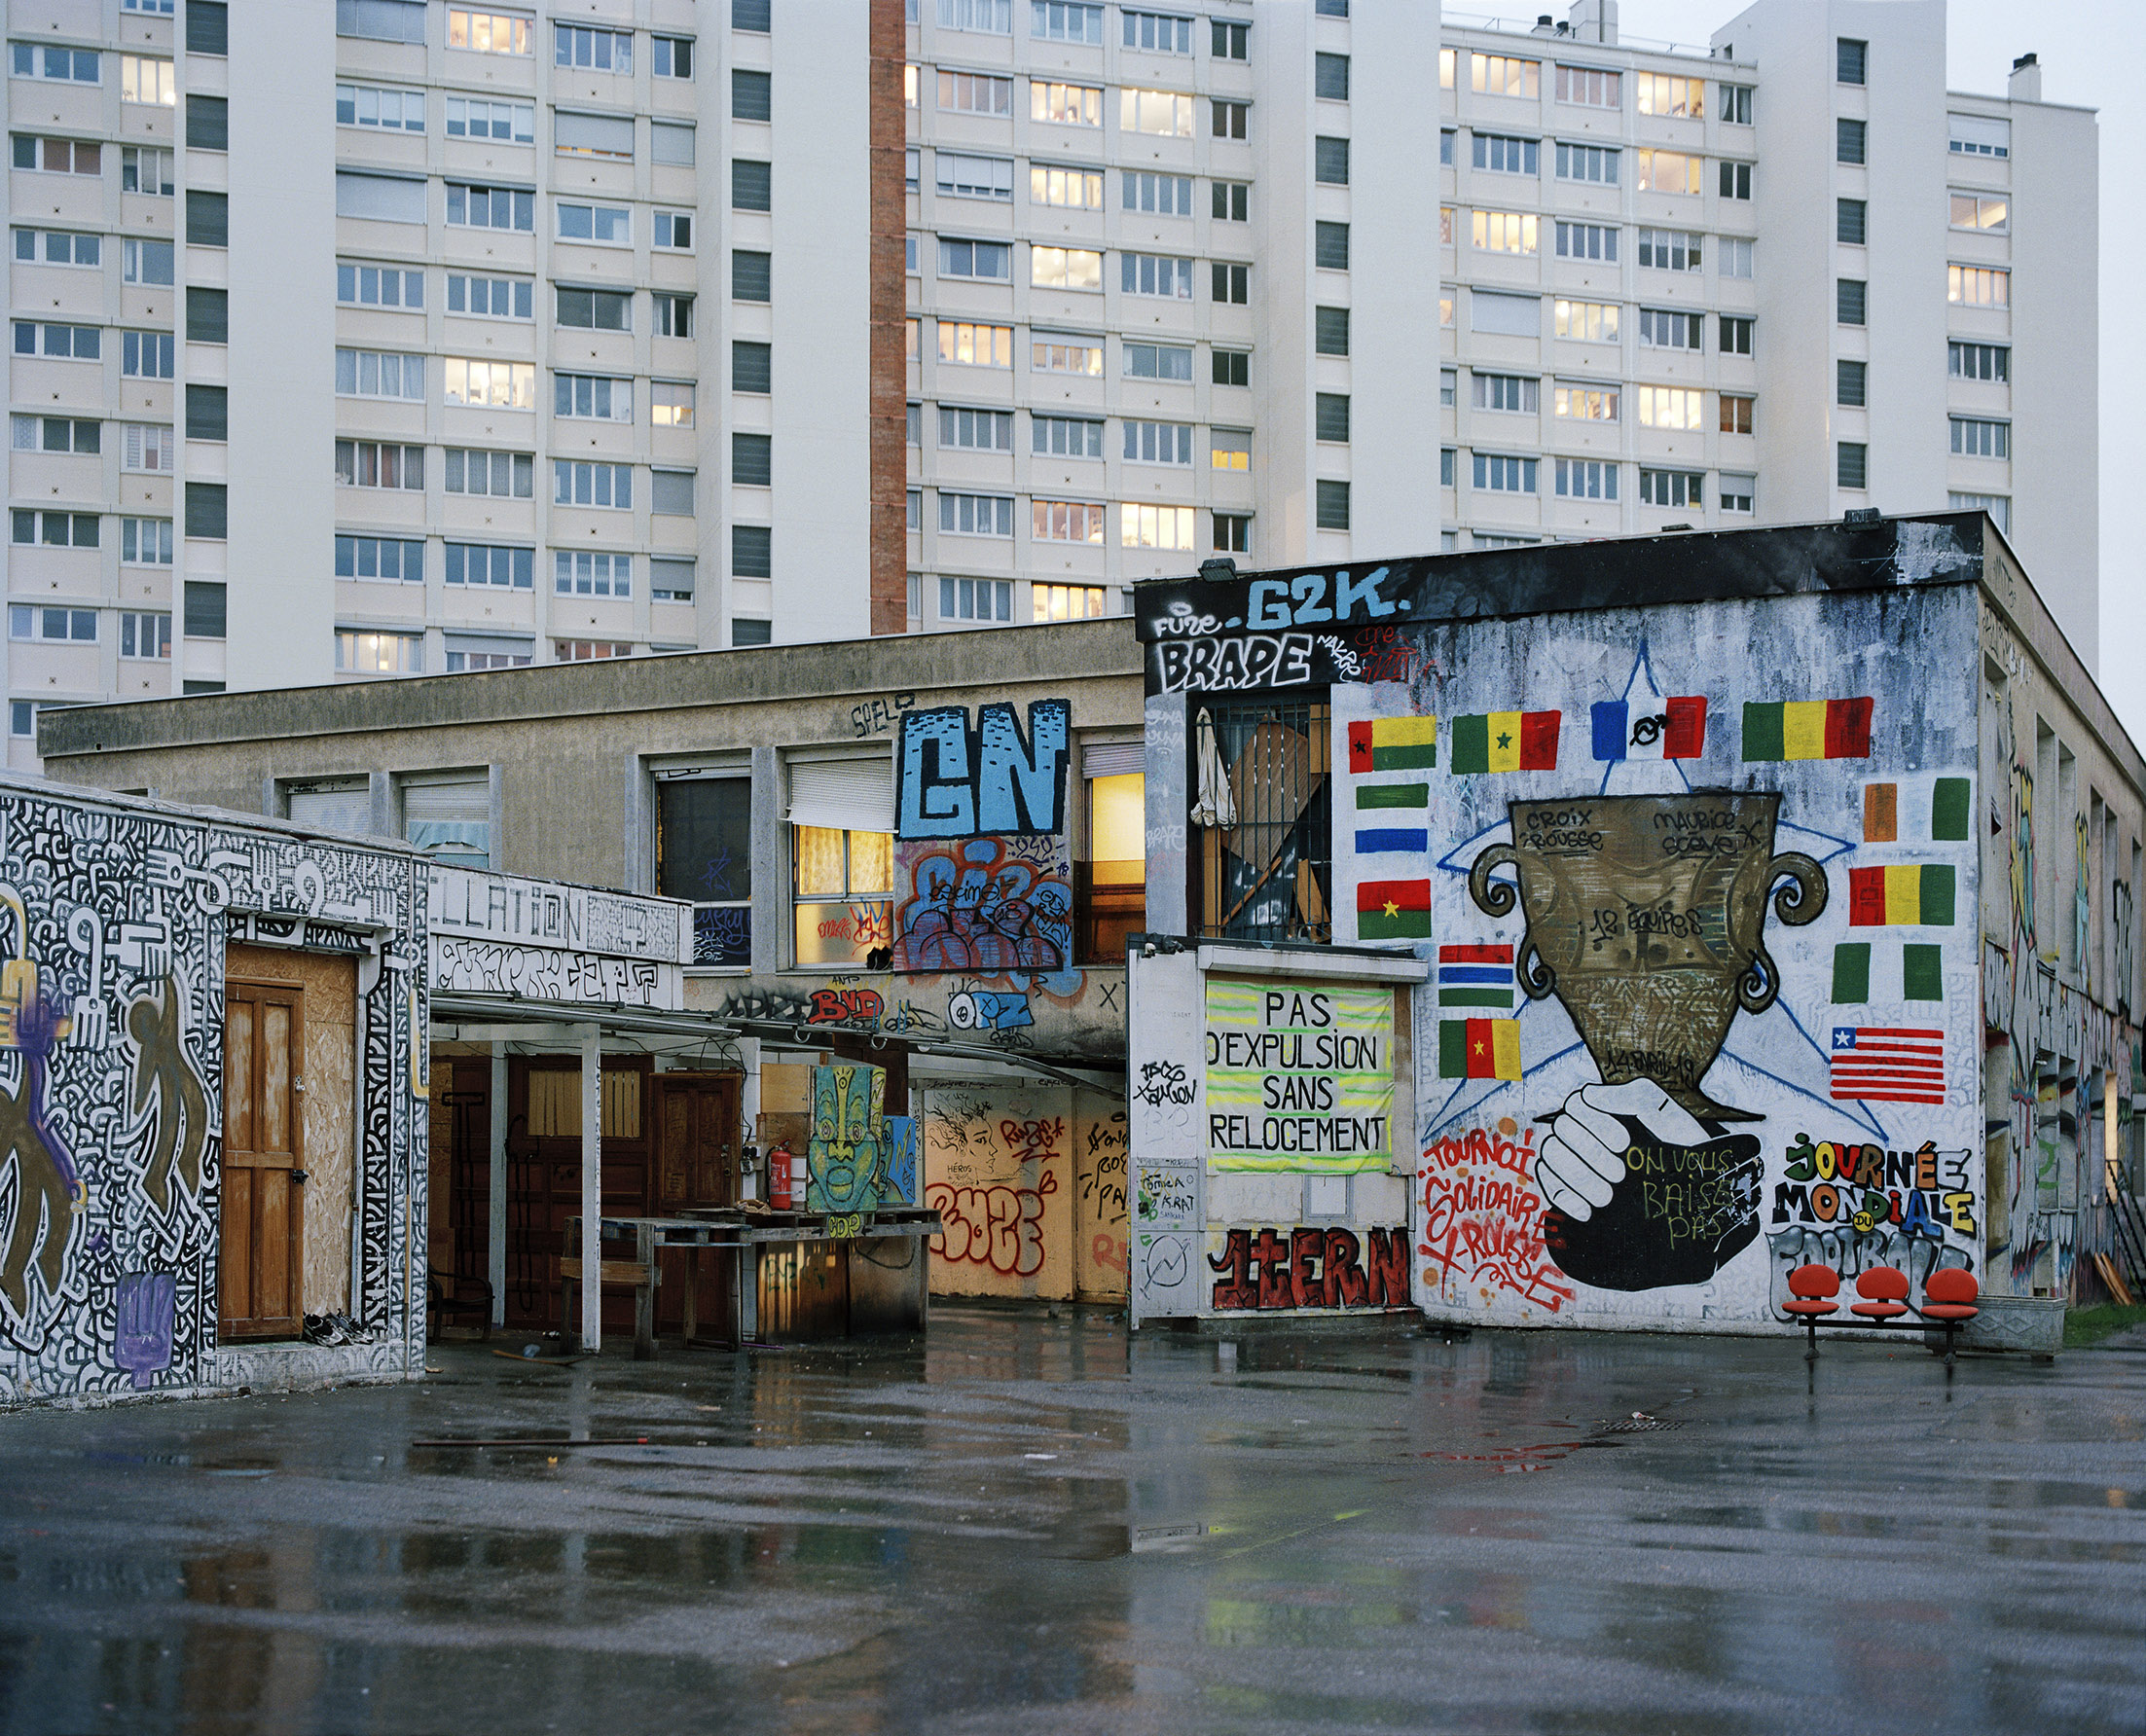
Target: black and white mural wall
[114, 919]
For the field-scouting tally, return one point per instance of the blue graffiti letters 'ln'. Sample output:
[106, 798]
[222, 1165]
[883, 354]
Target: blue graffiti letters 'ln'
[952, 781]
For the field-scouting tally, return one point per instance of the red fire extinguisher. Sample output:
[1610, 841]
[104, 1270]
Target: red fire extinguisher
[778, 1177]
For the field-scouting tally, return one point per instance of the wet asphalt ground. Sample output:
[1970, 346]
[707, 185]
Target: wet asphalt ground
[1018, 1526]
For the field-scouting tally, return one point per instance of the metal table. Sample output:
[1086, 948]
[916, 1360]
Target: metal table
[724, 1228]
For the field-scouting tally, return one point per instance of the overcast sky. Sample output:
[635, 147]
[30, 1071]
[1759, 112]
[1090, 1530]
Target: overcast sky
[2090, 56]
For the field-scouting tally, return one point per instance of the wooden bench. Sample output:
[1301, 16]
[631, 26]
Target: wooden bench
[1947, 1302]
[641, 1276]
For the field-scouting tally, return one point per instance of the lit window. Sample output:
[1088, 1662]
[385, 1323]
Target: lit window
[1081, 187]
[1589, 322]
[487, 32]
[1066, 520]
[1156, 527]
[1066, 105]
[1990, 211]
[975, 345]
[1668, 172]
[1671, 406]
[1502, 75]
[1978, 286]
[1663, 93]
[1586, 403]
[1505, 232]
[1588, 86]
[1067, 603]
[1231, 448]
[379, 653]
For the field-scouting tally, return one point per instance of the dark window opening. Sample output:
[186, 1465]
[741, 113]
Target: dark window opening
[1261, 808]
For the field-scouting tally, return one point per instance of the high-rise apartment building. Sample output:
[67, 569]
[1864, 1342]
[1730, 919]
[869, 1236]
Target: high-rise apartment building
[387, 337]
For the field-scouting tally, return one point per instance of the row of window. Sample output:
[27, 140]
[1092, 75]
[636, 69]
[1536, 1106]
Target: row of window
[1158, 114]
[143, 168]
[1681, 172]
[1503, 313]
[1598, 479]
[392, 108]
[1682, 409]
[962, 429]
[962, 174]
[576, 572]
[975, 343]
[400, 198]
[1071, 22]
[487, 31]
[1142, 524]
[1659, 249]
[506, 475]
[143, 632]
[1163, 277]
[1672, 95]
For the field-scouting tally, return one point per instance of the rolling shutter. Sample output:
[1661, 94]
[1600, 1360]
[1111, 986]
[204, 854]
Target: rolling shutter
[849, 795]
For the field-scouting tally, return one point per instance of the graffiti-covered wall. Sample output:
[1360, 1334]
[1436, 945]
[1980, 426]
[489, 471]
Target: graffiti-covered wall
[114, 920]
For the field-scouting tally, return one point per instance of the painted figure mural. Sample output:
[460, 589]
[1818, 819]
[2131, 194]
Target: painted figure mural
[858, 1159]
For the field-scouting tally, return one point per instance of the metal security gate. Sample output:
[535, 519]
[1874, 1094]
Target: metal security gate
[1263, 810]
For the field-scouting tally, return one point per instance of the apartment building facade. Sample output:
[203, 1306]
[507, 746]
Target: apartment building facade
[611, 364]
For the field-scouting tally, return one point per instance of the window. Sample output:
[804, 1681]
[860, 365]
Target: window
[1851, 61]
[208, 219]
[145, 542]
[704, 854]
[961, 176]
[1330, 504]
[1850, 382]
[1168, 195]
[976, 430]
[1851, 301]
[1733, 256]
[1232, 283]
[1067, 602]
[1230, 42]
[468, 653]
[1502, 155]
[753, 94]
[1232, 367]
[385, 286]
[74, 67]
[392, 111]
[1066, 520]
[1978, 286]
[1737, 334]
[752, 276]
[1060, 355]
[1502, 75]
[671, 57]
[1736, 104]
[1512, 316]
[145, 446]
[751, 367]
[1669, 249]
[84, 344]
[588, 650]
[511, 123]
[380, 558]
[1079, 188]
[595, 51]
[671, 493]
[161, 8]
[975, 599]
[1066, 105]
[1586, 479]
[593, 136]
[580, 573]
[1851, 465]
[673, 314]
[1584, 162]
[673, 231]
[988, 260]
[70, 156]
[487, 32]
[580, 483]
[1060, 436]
[1330, 77]
[841, 816]
[58, 247]
[1988, 211]
[1997, 506]
[670, 580]
[505, 475]
[1666, 328]
[1155, 274]
[596, 309]
[1586, 403]
[975, 514]
[1588, 86]
[382, 20]
[1672, 487]
[378, 464]
[207, 316]
[1167, 114]
[1060, 21]
[1231, 448]
[148, 356]
[378, 653]
[1140, 526]
[993, 18]
[608, 225]
[64, 434]
[208, 124]
[975, 345]
[1850, 140]
[145, 635]
[1978, 361]
[485, 563]
[1502, 391]
[493, 386]
[1663, 93]
[1507, 232]
[1499, 475]
[1445, 147]
[1331, 246]
[1157, 361]
[63, 626]
[208, 510]
[1735, 180]
[1229, 120]
[1736, 413]
[56, 530]
[753, 185]
[1157, 33]
[1158, 442]
[670, 143]
[752, 551]
[1981, 135]
[484, 298]
[1668, 172]
[380, 374]
[492, 208]
[1587, 241]
[145, 261]
[1331, 331]
[1973, 438]
[1233, 533]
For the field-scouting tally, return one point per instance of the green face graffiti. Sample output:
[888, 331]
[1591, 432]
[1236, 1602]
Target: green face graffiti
[846, 1159]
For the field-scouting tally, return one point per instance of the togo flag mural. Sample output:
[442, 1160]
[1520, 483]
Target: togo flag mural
[1298, 1077]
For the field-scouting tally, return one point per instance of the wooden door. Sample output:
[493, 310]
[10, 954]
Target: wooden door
[697, 1133]
[264, 1210]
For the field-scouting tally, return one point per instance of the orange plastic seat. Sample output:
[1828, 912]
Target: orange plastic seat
[1884, 1293]
[1812, 1289]
[1949, 1295]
